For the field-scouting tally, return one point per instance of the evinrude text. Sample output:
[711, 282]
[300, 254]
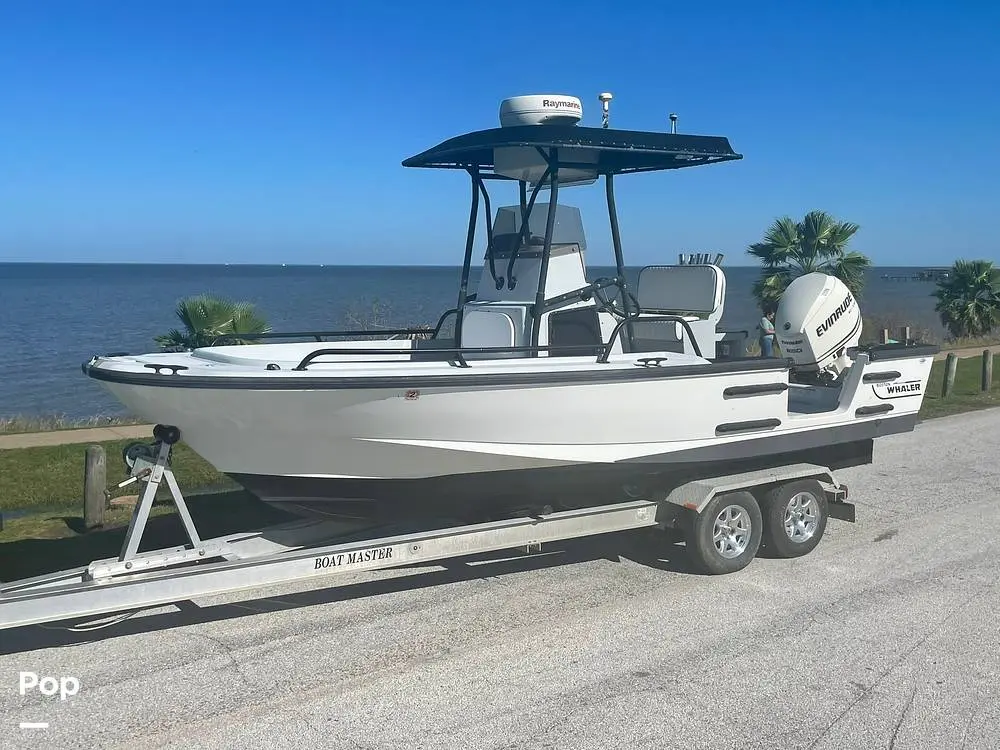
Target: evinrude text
[827, 324]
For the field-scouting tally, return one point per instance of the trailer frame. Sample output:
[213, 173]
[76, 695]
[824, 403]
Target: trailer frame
[308, 549]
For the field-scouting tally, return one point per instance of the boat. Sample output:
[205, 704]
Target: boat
[542, 389]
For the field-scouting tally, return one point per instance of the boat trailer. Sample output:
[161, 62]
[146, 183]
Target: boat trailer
[725, 519]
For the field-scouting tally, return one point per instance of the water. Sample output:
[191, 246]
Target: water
[53, 317]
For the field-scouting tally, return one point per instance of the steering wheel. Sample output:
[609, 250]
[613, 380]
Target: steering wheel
[607, 304]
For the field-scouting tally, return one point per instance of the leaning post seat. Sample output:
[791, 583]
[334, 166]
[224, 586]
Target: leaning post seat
[694, 292]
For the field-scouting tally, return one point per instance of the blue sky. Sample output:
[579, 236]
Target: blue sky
[251, 131]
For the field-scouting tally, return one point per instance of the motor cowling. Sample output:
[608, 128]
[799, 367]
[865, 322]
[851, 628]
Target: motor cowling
[817, 321]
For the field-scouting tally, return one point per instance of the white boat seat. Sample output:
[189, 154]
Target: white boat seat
[695, 293]
[679, 290]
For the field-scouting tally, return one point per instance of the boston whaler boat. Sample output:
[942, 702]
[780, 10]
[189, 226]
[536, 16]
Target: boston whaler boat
[552, 388]
[559, 408]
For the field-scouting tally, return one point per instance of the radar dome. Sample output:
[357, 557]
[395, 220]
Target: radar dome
[540, 109]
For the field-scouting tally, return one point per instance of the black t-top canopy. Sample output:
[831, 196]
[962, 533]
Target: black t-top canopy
[616, 151]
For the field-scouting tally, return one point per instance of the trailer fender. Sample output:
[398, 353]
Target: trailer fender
[694, 496]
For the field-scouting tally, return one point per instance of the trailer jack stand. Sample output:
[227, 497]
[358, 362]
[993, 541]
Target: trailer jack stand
[154, 474]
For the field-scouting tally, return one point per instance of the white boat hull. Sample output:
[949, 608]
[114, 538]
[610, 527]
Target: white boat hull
[319, 437]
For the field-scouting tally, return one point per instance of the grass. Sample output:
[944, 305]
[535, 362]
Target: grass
[47, 542]
[966, 394]
[50, 535]
[51, 477]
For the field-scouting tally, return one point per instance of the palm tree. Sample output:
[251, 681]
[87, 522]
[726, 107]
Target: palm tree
[969, 298]
[817, 243]
[206, 319]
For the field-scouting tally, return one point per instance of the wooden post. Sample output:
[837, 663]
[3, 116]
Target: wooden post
[987, 380]
[950, 367]
[904, 334]
[94, 483]
[885, 336]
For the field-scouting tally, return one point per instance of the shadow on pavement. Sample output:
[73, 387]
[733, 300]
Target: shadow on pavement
[649, 548]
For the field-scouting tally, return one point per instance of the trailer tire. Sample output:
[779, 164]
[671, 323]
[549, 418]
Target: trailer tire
[795, 515]
[725, 536]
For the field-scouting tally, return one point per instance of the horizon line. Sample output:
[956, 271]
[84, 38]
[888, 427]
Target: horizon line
[361, 265]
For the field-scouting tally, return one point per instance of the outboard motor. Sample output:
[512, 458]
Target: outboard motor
[817, 321]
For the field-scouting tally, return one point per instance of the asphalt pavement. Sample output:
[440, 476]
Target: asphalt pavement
[884, 637]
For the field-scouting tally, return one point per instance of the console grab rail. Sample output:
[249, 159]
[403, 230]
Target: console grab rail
[458, 351]
[637, 317]
[461, 351]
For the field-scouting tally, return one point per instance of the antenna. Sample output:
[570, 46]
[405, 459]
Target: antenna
[604, 99]
[673, 122]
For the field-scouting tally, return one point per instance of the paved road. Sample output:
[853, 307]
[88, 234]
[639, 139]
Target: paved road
[885, 637]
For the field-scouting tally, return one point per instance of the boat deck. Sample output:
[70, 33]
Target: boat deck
[400, 359]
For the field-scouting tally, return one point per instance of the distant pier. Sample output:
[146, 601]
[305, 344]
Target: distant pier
[924, 274]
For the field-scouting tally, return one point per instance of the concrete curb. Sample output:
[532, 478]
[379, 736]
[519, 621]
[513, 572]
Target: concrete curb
[70, 437]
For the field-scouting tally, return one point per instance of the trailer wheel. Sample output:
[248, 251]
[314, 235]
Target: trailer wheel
[795, 516]
[725, 536]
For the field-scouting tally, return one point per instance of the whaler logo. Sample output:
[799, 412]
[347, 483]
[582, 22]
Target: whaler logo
[560, 103]
[896, 390]
[827, 324]
[346, 559]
